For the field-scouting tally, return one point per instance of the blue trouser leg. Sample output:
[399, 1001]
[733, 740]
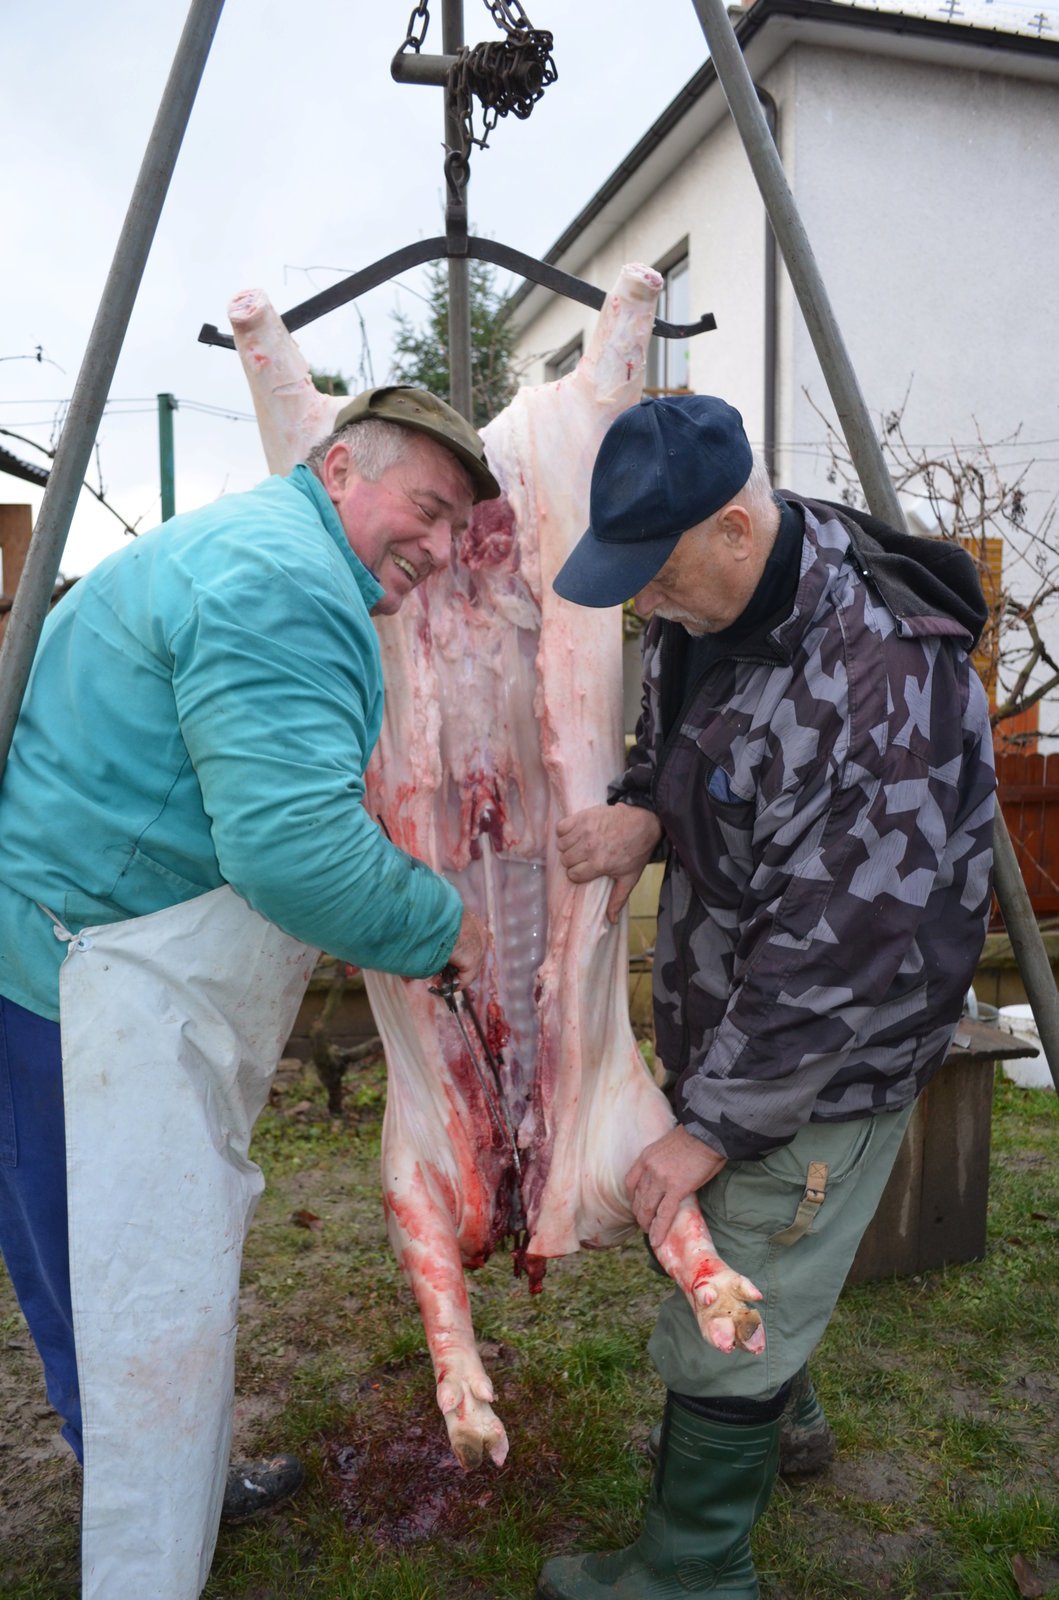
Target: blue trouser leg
[33, 1237]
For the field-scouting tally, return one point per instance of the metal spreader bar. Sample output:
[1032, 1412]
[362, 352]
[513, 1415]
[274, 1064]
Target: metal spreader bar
[436, 249]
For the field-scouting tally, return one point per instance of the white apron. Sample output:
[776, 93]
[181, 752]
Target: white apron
[172, 1025]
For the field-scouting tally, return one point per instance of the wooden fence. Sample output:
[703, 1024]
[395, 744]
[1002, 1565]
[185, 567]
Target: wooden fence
[1028, 791]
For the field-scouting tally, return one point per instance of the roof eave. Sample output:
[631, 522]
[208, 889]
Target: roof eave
[14, 467]
[591, 227]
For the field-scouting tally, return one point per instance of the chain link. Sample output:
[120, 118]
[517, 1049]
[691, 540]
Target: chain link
[508, 75]
[509, 15]
[418, 23]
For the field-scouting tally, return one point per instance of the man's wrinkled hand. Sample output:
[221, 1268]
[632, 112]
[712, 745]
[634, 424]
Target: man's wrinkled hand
[674, 1166]
[608, 842]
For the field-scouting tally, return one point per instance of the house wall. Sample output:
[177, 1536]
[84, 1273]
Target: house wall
[712, 202]
[930, 195]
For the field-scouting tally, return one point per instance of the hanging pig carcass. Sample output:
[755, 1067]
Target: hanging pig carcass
[503, 715]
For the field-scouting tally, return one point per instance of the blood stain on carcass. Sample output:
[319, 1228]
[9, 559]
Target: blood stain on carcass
[497, 1028]
[533, 1268]
[485, 813]
[707, 1269]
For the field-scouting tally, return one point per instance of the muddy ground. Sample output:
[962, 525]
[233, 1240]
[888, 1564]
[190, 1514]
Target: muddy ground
[331, 1360]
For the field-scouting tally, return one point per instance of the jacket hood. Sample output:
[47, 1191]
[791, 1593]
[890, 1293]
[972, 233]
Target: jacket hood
[916, 577]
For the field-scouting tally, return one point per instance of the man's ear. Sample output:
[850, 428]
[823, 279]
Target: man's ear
[737, 529]
[336, 468]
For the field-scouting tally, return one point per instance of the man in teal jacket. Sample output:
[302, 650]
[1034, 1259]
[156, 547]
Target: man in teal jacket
[201, 712]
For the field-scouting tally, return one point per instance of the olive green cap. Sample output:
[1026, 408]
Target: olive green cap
[424, 412]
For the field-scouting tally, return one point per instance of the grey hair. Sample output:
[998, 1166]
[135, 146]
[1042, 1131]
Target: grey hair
[374, 446]
[757, 494]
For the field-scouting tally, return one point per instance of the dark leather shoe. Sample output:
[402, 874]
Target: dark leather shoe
[257, 1486]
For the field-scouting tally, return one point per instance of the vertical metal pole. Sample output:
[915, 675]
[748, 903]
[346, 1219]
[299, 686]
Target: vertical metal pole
[166, 406]
[798, 255]
[456, 228]
[100, 359]
[865, 453]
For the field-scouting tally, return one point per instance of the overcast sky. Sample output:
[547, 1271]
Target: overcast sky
[303, 162]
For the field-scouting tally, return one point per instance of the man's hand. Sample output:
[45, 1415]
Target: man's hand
[674, 1166]
[468, 952]
[608, 842]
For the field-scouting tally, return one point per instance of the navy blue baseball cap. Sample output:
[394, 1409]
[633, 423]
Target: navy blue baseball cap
[664, 466]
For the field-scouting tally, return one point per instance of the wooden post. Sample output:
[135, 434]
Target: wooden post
[16, 530]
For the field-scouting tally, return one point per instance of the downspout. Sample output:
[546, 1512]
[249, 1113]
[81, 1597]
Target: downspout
[772, 118]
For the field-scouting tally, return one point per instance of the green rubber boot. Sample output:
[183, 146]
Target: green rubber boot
[711, 1484]
[807, 1445]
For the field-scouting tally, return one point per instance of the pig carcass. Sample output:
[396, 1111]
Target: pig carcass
[503, 715]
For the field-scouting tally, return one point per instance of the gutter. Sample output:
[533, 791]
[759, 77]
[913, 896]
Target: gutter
[770, 420]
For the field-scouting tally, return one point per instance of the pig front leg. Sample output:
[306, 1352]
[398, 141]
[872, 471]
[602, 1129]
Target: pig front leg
[424, 1239]
[292, 414]
[717, 1294]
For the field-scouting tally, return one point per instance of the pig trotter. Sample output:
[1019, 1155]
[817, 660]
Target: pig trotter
[723, 1315]
[718, 1295]
[474, 1428]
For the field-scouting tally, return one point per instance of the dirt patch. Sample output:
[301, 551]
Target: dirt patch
[403, 1487]
[40, 1482]
[394, 1475]
[868, 1562]
[882, 1479]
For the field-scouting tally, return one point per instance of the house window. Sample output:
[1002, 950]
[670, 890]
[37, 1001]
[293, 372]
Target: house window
[564, 360]
[668, 359]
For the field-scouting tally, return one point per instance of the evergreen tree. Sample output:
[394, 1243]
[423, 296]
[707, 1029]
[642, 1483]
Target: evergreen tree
[421, 354]
[329, 382]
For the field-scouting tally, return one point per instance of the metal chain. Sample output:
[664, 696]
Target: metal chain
[508, 14]
[418, 23]
[508, 75]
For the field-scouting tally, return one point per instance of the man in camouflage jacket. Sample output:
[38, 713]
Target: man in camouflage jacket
[814, 762]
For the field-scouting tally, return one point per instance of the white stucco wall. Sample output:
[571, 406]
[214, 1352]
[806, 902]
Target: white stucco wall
[712, 201]
[931, 197]
[930, 194]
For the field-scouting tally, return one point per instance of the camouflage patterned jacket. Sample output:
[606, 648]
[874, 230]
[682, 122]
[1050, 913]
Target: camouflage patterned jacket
[826, 793]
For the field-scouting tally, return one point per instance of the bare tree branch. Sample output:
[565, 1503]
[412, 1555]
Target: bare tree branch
[974, 504]
[96, 493]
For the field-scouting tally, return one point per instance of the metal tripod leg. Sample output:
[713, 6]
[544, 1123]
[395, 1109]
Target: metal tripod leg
[865, 452]
[97, 367]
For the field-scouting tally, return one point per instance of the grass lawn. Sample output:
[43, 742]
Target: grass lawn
[942, 1390]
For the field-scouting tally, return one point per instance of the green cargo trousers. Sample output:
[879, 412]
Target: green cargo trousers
[791, 1223]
